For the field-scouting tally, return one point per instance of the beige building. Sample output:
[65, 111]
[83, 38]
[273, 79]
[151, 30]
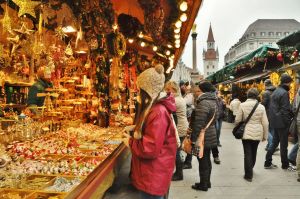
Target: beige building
[259, 33]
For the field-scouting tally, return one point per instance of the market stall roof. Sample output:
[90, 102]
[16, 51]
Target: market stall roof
[229, 69]
[252, 77]
[295, 66]
[290, 40]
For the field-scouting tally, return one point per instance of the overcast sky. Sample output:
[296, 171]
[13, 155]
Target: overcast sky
[230, 19]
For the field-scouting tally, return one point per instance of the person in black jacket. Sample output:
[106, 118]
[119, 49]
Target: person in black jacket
[266, 98]
[205, 110]
[280, 114]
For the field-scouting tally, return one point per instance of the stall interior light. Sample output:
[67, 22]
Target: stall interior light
[81, 52]
[110, 60]
[115, 27]
[178, 24]
[170, 46]
[177, 31]
[183, 17]
[130, 41]
[168, 52]
[183, 6]
[143, 44]
[177, 46]
[141, 35]
[68, 29]
[154, 48]
[177, 41]
[177, 36]
[172, 56]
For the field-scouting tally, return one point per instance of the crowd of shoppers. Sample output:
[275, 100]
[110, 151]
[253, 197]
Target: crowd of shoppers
[155, 152]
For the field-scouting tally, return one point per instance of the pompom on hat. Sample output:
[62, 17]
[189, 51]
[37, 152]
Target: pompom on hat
[152, 81]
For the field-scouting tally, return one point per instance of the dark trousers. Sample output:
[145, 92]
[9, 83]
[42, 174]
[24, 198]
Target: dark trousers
[218, 128]
[178, 162]
[250, 151]
[280, 136]
[215, 152]
[205, 168]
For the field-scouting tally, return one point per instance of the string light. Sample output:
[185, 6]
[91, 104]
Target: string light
[170, 46]
[154, 48]
[177, 45]
[168, 52]
[177, 31]
[130, 41]
[183, 6]
[177, 41]
[177, 36]
[115, 27]
[183, 17]
[178, 24]
[143, 44]
[141, 35]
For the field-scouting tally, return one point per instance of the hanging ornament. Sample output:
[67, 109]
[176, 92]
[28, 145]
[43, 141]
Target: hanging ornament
[93, 43]
[23, 30]
[79, 37]
[279, 57]
[69, 50]
[60, 33]
[26, 7]
[295, 55]
[6, 21]
[15, 43]
[1, 50]
[40, 28]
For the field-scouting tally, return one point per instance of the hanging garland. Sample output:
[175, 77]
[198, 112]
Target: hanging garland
[116, 44]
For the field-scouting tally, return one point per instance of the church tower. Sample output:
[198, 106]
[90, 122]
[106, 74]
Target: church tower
[211, 55]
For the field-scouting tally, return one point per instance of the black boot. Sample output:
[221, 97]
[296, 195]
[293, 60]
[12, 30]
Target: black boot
[203, 185]
[178, 175]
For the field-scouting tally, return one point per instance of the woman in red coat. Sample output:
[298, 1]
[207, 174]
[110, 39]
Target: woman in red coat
[153, 144]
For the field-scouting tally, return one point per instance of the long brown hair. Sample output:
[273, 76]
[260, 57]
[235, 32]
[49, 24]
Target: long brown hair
[142, 110]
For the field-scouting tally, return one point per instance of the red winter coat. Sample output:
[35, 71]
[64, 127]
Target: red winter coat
[153, 156]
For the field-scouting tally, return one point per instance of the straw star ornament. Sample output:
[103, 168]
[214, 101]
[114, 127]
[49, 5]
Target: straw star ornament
[6, 21]
[26, 7]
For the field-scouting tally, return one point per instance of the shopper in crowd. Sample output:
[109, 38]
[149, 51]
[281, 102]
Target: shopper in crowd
[42, 82]
[188, 159]
[280, 114]
[205, 110]
[221, 113]
[182, 124]
[234, 105]
[297, 103]
[266, 98]
[153, 141]
[256, 130]
[188, 97]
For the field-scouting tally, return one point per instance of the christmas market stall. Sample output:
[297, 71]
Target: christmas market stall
[68, 71]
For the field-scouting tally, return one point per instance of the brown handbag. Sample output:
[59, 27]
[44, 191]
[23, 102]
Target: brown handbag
[198, 148]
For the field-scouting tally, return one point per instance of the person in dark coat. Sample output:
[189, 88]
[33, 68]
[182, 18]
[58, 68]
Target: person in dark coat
[205, 110]
[266, 98]
[280, 115]
[39, 86]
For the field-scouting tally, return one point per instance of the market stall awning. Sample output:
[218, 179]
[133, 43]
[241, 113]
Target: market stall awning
[253, 77]
[290, 40]
[295, 66]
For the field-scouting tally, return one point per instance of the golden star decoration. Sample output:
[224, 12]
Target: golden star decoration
[26, 7]
[6, 21]
[24, 30]
[60, 33]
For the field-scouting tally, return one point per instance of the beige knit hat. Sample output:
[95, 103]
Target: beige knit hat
[152, 80]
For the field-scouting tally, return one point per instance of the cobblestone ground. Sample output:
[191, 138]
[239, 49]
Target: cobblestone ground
[227, 178]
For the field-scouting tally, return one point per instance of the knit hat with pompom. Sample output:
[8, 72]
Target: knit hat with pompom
[152, 81]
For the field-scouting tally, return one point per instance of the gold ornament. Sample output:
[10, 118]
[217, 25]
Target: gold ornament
[69, 50]
[26, 7]
[6, 21]
[24, 30]
[40, 29]
[16, 43]
[79, 37]
[60, 33]
[1, 50]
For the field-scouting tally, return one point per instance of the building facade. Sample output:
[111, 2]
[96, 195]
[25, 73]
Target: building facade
[181, 72]
[210, 56]
[259, 33]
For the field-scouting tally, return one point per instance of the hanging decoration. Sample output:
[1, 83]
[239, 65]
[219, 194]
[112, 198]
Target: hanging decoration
[40, 28]
[26, 7]
[59, 33]
[79, 37]
[116, 44]
[69, 50]
[6, 21]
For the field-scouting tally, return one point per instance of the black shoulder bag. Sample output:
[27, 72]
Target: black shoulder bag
[238, 130]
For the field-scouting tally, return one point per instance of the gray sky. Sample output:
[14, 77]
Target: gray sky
[230, 19]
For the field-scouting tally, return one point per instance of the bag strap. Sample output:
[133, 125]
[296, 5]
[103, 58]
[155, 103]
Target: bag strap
[250, 115]
[211, 120]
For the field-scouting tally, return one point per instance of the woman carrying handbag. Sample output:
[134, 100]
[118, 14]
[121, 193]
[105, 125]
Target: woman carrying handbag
[256, 129]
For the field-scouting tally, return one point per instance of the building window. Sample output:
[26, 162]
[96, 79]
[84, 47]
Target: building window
[271, 34]
[261, 43]
[262, 34]
[271, 43]
[286, 33]
[207, 66]
[251, 46]
[252, 34]
[213, 67]
[207, 73]
[278, 34]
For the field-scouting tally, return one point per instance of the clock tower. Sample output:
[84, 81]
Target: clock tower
[211, 55]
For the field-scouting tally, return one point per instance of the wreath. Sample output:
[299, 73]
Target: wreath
[116, 44]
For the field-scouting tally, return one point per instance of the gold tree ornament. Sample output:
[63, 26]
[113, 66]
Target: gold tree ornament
[69, 50]
[1, 50]
[60, 33]
[23, 30]
[79, 37]
[6, 21]
[26, 7]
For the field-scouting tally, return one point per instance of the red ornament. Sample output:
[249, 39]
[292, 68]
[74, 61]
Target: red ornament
[296, 53]
[279, 57]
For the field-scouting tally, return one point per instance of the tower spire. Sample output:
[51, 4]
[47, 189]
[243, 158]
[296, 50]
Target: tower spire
[210, 37]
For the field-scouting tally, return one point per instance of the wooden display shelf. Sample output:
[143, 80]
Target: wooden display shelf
[20, 84]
